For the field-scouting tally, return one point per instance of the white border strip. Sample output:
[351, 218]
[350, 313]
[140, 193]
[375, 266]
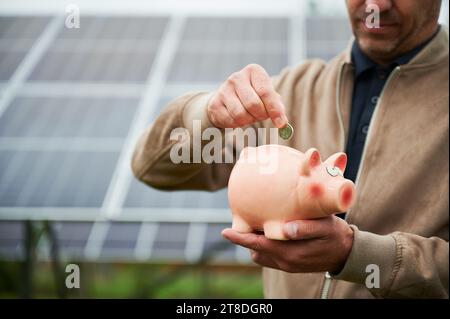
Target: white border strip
[152, 7]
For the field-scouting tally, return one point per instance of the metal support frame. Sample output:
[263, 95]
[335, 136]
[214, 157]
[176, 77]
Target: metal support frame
[33, 232]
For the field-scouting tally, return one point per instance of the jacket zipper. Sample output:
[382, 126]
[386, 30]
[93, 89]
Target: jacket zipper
[328, 278]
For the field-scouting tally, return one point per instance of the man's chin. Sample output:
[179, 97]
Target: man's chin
[377, 47]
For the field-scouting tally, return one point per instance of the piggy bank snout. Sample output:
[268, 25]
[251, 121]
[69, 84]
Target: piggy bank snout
[346, 195]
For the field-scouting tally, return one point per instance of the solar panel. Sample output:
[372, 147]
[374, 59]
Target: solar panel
[72, 238]
[106, 49]
[140, 195]
[68, 116]
[235, 42]
[215, 242]
[120, 241]
[11, 240]
[326, 37]
[170, 242]
[54, 178]
[79, 97]
[17, 35]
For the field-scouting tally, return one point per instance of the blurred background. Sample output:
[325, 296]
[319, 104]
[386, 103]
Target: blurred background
[73, 102]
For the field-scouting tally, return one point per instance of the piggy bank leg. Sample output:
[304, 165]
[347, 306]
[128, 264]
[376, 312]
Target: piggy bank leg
[240, 225]
[274, 230]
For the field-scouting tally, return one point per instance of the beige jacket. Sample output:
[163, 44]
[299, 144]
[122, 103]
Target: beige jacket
[400, 217]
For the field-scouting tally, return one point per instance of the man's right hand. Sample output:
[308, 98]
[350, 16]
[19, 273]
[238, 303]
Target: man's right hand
[246, 97]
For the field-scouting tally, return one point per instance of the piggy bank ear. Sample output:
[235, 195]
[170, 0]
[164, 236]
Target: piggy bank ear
[338, 160]
[312, 159]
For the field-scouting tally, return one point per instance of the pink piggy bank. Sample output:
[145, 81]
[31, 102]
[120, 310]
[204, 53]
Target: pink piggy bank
[274, 184]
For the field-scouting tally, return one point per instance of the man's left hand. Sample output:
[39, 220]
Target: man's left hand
[314, 246]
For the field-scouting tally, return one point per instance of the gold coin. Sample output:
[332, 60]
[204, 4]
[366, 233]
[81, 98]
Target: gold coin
[286, 132]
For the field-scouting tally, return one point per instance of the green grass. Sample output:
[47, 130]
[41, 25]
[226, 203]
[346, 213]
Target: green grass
[138, 281]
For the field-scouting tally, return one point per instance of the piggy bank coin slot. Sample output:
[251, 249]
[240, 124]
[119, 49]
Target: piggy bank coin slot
[334, 171]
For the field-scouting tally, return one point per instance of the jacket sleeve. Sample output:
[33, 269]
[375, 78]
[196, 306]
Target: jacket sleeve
[151, 161]
[410, 266]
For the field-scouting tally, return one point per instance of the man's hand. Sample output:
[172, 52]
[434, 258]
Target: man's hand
[246, 97]
[316, 245]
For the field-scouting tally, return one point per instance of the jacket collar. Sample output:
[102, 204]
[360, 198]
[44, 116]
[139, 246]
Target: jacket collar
[433, 53]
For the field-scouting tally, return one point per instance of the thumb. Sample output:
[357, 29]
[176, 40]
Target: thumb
[291, 230]
[306, 229]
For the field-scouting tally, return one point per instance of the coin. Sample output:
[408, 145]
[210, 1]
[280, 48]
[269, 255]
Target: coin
[286, 132]
[334, 171]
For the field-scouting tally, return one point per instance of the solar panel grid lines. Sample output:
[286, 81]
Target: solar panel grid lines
[110, 50]
[195, 240]
[72, 238]
[297, 35]
[122, 177]
[11, 240]
[28, 63]
[16, 38]
[33, 185]
[120, 241]
[95, 241]
[85, 89]
[34, 178]
[146, 238]
[170, 242]
[111, 145]
[234, 41]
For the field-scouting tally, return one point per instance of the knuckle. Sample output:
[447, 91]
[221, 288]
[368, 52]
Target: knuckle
[234, 78]
[214, 107]
[258, 243]
[253, 67]
[263, 92]
[240, 117]
[254, 105]
[228, 121]
[274, 109]
[213, 117]
[220, 95]
[242, 121]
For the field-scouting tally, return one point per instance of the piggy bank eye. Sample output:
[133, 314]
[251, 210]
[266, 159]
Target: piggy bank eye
[334, 171]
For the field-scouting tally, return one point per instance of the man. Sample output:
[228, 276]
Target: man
[385, 102]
